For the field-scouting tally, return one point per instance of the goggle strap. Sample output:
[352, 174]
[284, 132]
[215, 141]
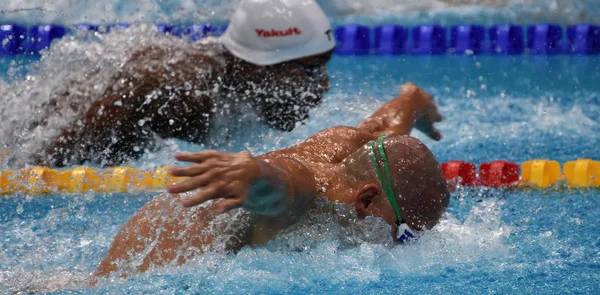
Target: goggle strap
[386, 185]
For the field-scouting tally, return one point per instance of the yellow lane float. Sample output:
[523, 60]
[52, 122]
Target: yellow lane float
[540, 173]
[582, 173]
[43, 180]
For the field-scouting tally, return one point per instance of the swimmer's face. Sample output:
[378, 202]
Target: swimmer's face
[312, 68]
[285, 93]
[372, 201]
[383, 209]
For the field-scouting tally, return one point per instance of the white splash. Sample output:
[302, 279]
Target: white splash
[199, 11]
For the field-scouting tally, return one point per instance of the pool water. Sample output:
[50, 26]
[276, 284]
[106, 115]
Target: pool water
[515, 108]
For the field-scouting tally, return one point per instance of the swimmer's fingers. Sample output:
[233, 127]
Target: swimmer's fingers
[434, 114]
[229, 204]
[426, 123]
[195, 182]
[199, 156]
[196, 169]
[429, 130]
[208, 193]
[434, 134]
[236, 191]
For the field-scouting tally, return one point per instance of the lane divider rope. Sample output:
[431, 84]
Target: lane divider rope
[539, 173]
[356, 39]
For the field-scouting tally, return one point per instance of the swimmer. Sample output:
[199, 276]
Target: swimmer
[392, 176]
[271, 58]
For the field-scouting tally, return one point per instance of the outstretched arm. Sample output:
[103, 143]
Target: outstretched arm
[412, 108]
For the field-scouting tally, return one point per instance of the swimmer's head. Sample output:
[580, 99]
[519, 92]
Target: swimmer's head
[283, 93]
[268, 32]
[419, 186]
[282, 48]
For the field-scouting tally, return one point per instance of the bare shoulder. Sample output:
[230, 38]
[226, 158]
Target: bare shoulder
[340, 134]
[331, 145]
[184, 61]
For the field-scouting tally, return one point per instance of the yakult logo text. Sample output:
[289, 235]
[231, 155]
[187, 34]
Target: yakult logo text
[278, 33]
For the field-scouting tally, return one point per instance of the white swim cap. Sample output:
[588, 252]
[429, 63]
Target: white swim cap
[266, 32]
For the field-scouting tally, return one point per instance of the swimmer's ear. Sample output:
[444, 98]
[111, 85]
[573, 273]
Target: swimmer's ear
[365, 196]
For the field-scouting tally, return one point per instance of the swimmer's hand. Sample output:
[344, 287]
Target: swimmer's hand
[413, 108]
[425, 108]
[220, 175]
[428, 118]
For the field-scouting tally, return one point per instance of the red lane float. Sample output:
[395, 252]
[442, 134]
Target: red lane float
[464, 173]
[492, 174]
[499, 174]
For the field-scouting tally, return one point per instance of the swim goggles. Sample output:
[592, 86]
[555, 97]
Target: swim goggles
[403, 232]
[314, 68]
[311, 70]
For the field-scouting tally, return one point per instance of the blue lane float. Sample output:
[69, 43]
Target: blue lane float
[11, 37]
[197, 32]
[100, 28]
[118, 27]
[87, 27]
[390, 39]
[212, 30]
[192, 32]
[584, 38]
[467, 39]
[506, 39]
[429, 39]
[169, 29]
[353, 39]
[544, 39]
[41, 37]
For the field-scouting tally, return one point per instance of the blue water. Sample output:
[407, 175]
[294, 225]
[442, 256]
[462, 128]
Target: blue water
[490, 241]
